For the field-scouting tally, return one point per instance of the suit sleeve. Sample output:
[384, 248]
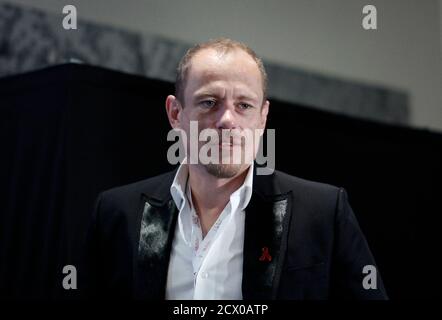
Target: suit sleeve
[355, 274]
[89, 272]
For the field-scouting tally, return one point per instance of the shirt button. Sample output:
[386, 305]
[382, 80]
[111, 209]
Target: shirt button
[204, 275]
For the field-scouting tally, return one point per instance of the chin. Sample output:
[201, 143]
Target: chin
[223, 170]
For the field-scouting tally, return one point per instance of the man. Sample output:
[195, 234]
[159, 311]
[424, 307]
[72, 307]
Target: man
[219, 230]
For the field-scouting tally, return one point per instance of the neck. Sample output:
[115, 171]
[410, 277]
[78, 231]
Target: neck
[210, 194]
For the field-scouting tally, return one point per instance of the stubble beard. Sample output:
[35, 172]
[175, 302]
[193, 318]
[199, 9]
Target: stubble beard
[223, 171]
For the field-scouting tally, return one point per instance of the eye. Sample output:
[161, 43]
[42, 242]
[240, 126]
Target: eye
[208, 104]
[245, 106]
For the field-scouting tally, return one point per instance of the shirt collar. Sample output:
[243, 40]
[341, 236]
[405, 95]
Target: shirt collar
[245, 191]
[179, 187]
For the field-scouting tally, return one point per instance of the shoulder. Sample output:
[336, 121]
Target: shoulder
[289, 182]
[311, 195]
[156, 187]
[281, 183]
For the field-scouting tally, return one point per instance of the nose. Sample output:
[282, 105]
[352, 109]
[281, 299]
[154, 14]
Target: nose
[226, 117]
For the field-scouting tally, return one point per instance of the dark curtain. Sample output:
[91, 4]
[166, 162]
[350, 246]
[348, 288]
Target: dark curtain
[71, 131]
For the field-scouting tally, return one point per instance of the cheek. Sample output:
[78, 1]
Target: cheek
[192, 114]
[186, 117]
[205, 121]
[252, 121]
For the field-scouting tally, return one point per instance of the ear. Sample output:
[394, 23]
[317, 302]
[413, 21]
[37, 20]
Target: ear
[264, 112]
[173, 109]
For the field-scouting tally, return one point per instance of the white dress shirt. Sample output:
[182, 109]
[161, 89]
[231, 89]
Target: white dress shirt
[210, 267]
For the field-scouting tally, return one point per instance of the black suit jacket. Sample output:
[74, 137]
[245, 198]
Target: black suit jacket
[316, 246]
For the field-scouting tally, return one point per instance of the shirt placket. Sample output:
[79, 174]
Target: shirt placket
[202, 246]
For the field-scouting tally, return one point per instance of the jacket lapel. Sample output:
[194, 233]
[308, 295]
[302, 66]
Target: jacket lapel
[265, 239]
[158, 220]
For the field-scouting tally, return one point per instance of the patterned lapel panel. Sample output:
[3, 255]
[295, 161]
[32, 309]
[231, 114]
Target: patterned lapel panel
[154, 247]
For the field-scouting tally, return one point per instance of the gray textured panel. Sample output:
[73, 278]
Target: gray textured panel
[331, 94]
[161, 57]
[31, 40]
[153, 236]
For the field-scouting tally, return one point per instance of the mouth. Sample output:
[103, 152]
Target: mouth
[228, 145]
[224, 145]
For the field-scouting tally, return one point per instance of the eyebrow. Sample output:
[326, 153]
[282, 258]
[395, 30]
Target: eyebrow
[212, 94]
[205, 95]
[246, 97]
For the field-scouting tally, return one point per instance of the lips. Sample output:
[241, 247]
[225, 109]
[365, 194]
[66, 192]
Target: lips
[229, 144]
[224, 144]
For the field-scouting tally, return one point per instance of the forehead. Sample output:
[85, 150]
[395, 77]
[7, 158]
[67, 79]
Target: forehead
[209, 67]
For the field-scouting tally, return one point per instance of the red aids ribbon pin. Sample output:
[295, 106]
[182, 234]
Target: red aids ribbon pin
[265, 255]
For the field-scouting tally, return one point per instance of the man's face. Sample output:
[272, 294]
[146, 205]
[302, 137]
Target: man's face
[225, 92]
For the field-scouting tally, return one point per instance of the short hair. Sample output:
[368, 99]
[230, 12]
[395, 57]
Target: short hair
[222, 45]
